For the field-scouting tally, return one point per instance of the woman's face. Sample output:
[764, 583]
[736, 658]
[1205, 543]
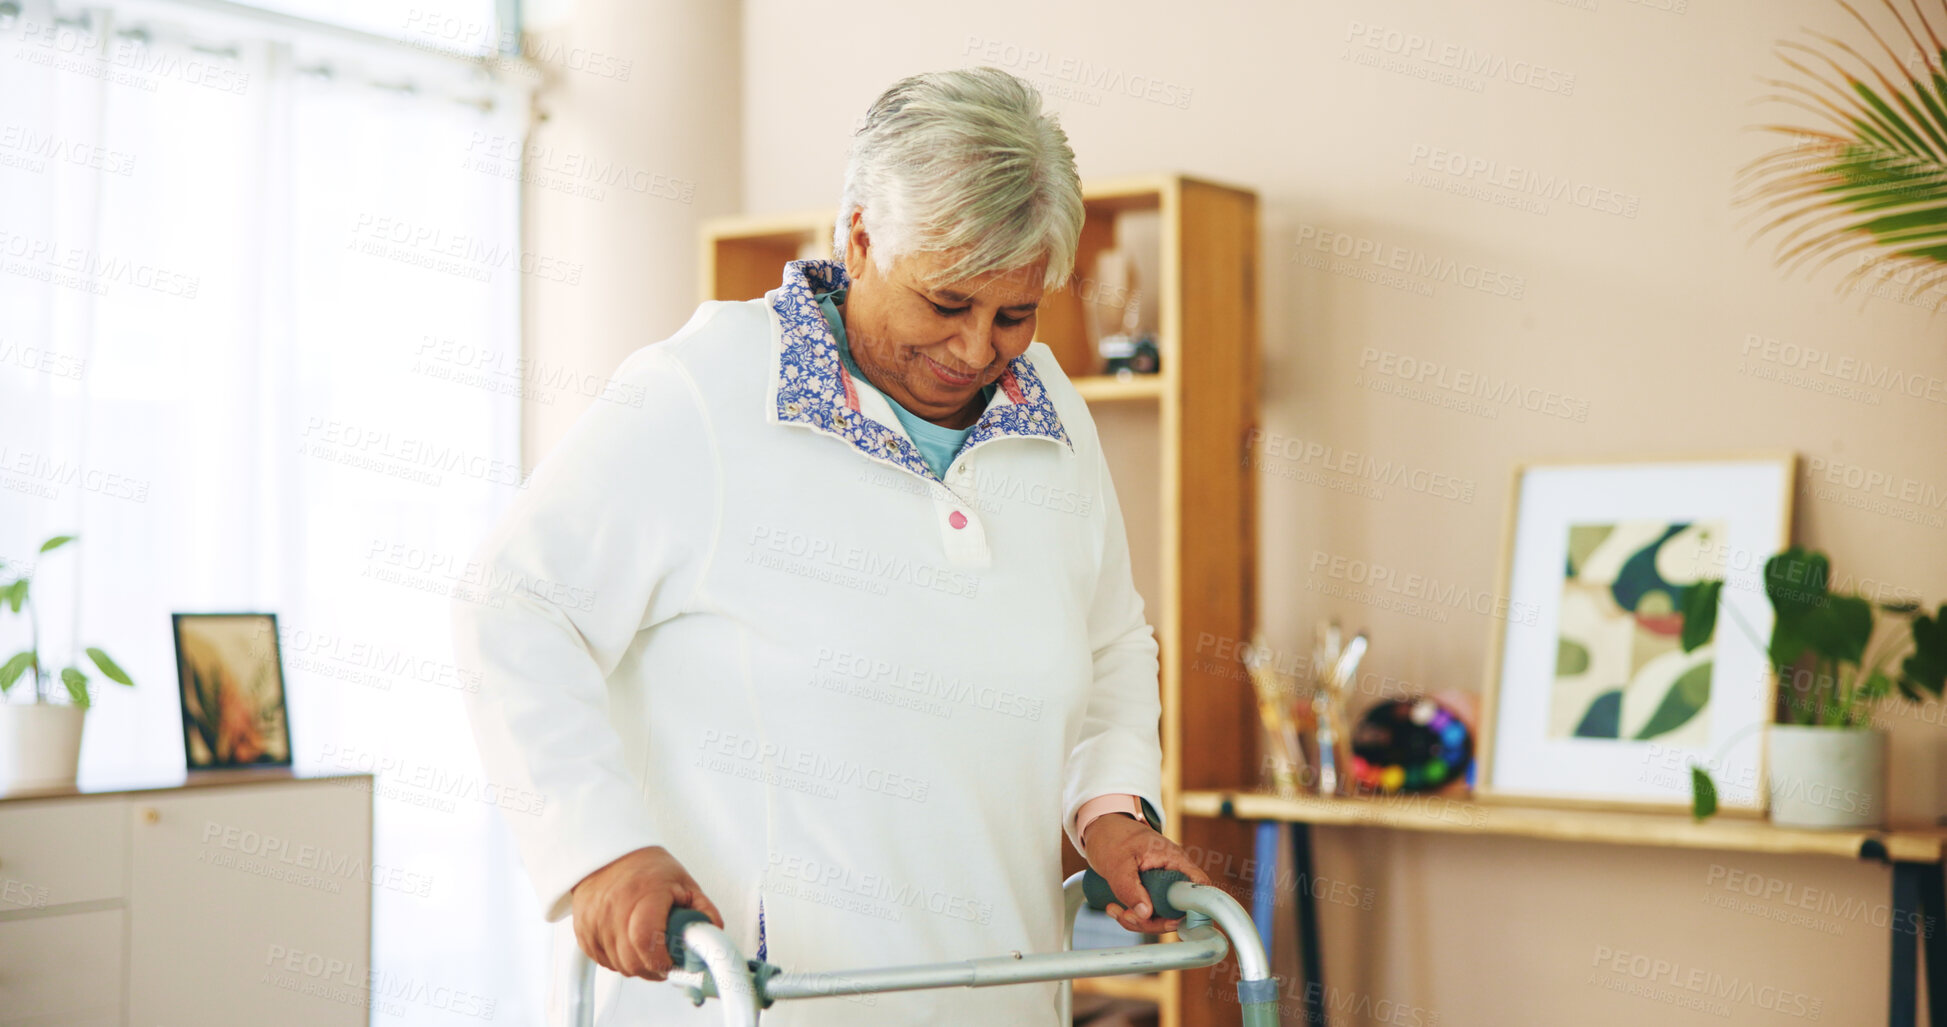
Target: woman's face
[933, 349]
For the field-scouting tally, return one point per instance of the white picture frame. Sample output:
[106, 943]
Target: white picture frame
[1589, 699]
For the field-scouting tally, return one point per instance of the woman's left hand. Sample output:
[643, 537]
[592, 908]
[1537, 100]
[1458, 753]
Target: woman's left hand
[1120, 848]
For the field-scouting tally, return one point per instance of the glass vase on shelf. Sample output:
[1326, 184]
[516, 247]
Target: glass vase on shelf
[1335, 666]
[1281, 766]
[1130, 351]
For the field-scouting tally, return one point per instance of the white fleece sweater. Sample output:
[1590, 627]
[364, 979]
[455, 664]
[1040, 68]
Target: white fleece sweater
[744, 621]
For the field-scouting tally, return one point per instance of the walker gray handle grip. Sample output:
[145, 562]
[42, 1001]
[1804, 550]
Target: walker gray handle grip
[1098, 894]
[680, 919]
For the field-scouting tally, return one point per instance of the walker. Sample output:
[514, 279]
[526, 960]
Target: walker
[711, 966]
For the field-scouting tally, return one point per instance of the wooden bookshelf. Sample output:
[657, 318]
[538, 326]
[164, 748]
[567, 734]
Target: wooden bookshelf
[1184, 431]
[743, 257]
[1101, 388]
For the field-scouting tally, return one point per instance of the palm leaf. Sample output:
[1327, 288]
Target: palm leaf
[1867, 178]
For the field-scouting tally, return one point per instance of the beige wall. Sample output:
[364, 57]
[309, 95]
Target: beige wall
[1643, 319]
[631, 156]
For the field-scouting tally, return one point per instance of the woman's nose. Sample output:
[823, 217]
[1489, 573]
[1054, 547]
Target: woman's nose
[976, 349]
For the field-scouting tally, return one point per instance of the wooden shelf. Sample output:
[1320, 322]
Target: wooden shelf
[1105, 388]
[769, 226]
[743, 257]
[1147, 987]
[1661, 830]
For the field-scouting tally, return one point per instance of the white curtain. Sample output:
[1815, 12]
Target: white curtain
[258, 350]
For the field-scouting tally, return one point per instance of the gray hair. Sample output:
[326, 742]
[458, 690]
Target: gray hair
[964, 160]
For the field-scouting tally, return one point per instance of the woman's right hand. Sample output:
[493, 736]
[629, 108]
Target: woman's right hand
[622, 911]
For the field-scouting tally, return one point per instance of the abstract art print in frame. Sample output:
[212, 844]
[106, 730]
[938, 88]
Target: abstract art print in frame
[1591, 698]
[231, 673]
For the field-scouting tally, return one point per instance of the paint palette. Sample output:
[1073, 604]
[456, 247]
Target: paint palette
[1410, 745]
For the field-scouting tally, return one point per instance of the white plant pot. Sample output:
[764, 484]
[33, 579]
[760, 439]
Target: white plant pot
[1826, 777]
[40, 746]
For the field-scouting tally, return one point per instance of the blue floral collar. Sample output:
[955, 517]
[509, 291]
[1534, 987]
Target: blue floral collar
[810, 385]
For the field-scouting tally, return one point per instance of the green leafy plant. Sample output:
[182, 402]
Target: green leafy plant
[1703, 793]
[1870, 170]
[1821, 648]
[17, 595]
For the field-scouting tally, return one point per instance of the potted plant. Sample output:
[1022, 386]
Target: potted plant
[1826, 758]
[40, 739]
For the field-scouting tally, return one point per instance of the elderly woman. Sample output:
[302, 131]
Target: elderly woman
[833, 636]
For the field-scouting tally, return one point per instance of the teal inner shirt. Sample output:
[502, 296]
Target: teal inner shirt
[937, 445]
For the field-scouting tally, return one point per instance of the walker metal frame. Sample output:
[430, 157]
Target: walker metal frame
[712, 968]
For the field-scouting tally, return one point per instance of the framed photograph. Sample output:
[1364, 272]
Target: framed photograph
[231, 675]
[1590, 698]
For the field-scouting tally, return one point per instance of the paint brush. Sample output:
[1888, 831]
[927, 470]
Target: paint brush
[1274, 709]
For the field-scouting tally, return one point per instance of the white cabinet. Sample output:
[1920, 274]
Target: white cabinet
[246, 900]
[63, 969]
[61, 852]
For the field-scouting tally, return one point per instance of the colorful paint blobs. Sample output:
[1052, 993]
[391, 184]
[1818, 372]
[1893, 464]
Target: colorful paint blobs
[1409, 745]
[1620, 670]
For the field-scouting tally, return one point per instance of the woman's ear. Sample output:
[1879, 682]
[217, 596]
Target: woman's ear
[858, 245]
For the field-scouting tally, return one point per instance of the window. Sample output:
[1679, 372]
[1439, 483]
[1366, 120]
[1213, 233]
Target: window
[475, 27]
[259, 296]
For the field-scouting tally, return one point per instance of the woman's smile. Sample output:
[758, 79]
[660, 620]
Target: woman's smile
[952, 379]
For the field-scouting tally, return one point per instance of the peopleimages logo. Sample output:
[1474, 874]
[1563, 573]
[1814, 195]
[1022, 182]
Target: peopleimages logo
[318, 975]
[1362, 1007]
[816, 767]
[435, 786]
[436, 248]
[1703, 985]
[1844, 368]
[1793, 897]
[1526, 182]
[1462, 381]
[1382, 580]
[445, 33]
[873, 673]
[78, 267]
[22, 146]
[1877, 491]
[1818, 793]
[569, 170]
[1363, 466]
[876, 887]
[1475, 63]
[44, 475]
[1030, 61]
[1411, 263]
[850, 565]
[126, 60]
